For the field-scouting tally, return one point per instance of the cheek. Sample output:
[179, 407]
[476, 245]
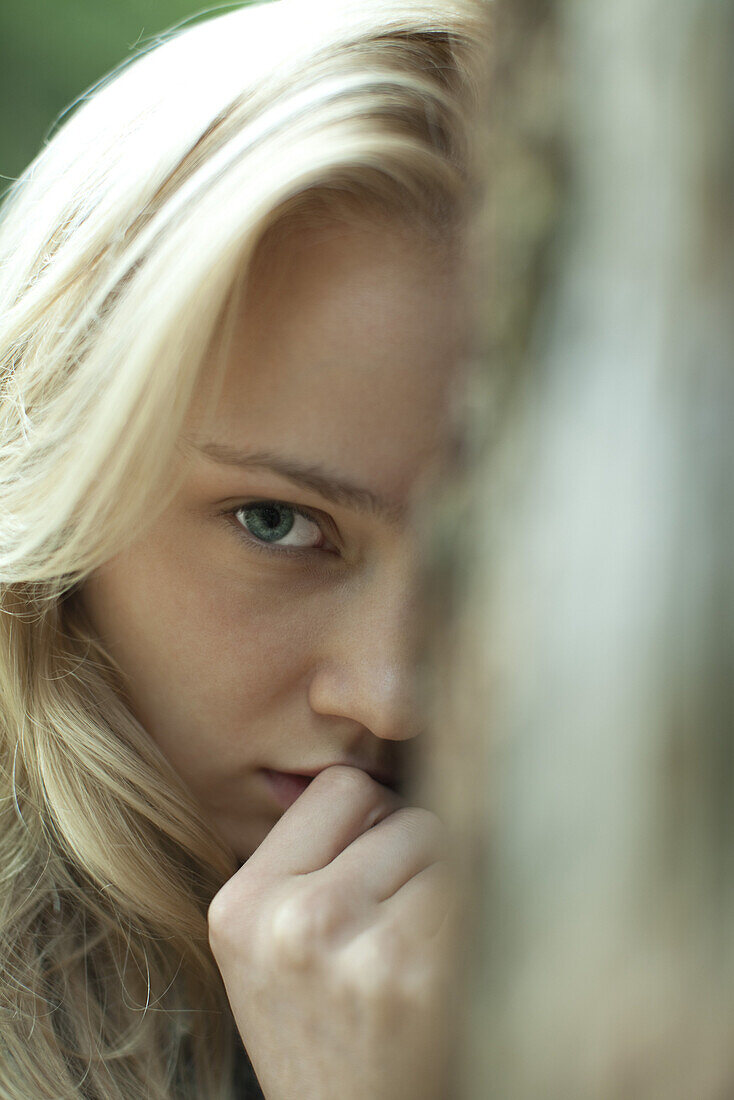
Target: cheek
[255, 637]
[196, 643]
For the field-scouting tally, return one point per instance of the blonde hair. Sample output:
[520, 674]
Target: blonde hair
[120, 249]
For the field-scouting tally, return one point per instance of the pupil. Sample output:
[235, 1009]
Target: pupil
[270, 521]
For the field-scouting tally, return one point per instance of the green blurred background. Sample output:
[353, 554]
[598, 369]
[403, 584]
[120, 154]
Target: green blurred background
[53, 50]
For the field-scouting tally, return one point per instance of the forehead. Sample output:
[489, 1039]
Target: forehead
[344, 346]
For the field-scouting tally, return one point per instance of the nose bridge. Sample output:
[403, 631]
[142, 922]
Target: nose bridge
[386, 605]
[366, 672]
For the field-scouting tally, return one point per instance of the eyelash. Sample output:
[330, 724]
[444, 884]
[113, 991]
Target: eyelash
[241, 532]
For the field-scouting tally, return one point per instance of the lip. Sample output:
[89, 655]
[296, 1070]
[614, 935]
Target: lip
[287, 786]
[377, 774]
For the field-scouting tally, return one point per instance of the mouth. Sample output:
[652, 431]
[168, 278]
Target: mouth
[286, 787]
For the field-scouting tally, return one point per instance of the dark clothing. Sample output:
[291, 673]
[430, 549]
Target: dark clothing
[246, 1083]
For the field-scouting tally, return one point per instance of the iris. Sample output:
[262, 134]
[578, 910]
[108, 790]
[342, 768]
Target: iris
[269, 521]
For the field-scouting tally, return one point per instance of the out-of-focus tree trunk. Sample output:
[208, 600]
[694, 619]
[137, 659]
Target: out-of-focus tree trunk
[579, 642]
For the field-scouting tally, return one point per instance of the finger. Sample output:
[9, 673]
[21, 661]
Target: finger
[411, 943]
[392, 852]
[338, 805]
[426, 905]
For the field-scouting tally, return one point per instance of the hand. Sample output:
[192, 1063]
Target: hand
[335, 941]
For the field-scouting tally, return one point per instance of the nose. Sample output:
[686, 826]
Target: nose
[366, 671]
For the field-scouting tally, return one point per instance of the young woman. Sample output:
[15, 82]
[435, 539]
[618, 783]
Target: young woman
[233, 310]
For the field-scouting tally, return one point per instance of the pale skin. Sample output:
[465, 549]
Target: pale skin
[333, 935]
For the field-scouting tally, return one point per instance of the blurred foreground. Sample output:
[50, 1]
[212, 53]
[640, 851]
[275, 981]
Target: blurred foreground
[581, 667]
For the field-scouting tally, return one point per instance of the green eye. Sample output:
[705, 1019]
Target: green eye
[269, 522]
[275, 526]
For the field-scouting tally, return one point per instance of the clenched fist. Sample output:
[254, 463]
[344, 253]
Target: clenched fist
[336, 943]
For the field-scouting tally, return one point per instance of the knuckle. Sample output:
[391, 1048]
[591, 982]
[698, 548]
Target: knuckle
[322, 908]
[231, 911]
[388, 976]
[362, 973]
[367, 970]
[301, 923]
[218, 916]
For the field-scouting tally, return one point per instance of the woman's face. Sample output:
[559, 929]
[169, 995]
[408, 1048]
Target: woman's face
[281, 637]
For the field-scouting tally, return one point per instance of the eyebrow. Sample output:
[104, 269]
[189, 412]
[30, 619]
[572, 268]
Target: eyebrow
[310, 476]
